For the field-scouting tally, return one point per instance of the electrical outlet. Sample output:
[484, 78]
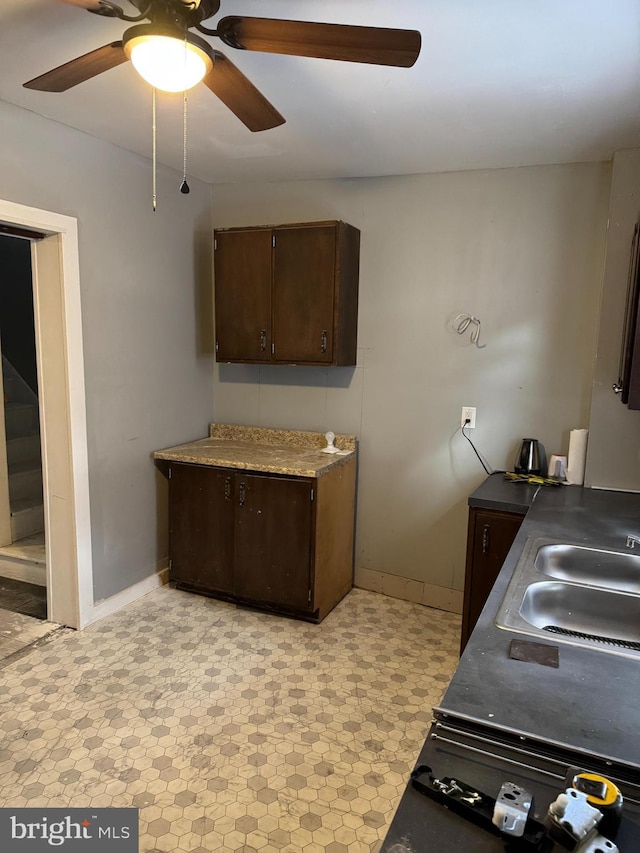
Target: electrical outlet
[468, 413]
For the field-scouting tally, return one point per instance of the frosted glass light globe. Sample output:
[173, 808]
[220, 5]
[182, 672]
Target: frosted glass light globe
[166, 63]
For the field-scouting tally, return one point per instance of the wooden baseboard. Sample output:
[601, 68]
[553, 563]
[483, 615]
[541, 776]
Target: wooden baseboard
[418, 592]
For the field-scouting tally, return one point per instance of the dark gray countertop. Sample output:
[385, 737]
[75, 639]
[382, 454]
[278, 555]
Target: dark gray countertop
[500, 494]
[591, 701]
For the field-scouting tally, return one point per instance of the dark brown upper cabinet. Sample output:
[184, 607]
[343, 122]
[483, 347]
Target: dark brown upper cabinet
[287, 294]
[243, 295]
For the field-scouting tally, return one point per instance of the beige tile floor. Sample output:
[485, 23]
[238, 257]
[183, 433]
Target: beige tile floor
[231, 730]
[19, 631]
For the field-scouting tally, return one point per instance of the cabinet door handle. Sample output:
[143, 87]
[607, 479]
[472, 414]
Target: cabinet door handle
[263, 340]
[485, 538]
[323, 340]
[243, 488]
[227, 488]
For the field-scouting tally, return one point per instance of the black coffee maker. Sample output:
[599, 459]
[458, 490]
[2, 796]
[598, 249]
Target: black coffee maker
[530, 458]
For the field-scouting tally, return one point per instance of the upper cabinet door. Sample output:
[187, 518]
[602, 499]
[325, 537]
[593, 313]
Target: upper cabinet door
[304, 277]
[242, 261]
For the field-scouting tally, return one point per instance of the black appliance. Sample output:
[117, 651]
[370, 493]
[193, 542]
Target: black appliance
[530, 458]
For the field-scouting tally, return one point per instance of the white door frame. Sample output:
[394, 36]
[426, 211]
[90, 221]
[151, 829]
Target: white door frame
[60, 359]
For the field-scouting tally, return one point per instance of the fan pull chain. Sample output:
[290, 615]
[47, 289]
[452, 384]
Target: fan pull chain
[184, 186]
[154, 198]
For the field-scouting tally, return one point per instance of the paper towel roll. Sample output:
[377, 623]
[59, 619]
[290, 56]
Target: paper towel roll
[577, 457]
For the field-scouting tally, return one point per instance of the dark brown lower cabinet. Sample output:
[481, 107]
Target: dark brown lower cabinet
[271, 541]
[490, 536]
[201, 527]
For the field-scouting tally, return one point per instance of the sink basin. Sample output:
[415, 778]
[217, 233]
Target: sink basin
[572, 594]
[609, 569]
[583, 610]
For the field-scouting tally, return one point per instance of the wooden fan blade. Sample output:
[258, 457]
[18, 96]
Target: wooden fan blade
[80, 69]
[374, 45]
[84, 4]
[239, 94]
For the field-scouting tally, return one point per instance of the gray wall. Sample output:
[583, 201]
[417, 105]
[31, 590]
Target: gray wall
[613, 456]
[145, 283]
[519, 248]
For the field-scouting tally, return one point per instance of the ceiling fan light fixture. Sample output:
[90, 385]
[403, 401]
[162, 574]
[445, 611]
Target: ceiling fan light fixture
[169, 62]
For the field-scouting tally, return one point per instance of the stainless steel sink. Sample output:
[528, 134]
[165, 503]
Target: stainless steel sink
[582, 609]
[608, 569]
[571, 594]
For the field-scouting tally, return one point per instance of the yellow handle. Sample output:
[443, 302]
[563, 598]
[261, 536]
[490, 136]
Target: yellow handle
[611, 792]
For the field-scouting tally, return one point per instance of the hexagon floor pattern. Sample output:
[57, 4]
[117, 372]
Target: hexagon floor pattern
[231, 730]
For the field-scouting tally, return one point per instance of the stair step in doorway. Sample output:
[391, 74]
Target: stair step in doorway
[25, 448]
[26, 519]
[25, 481]
[22, 557]
[25, 560]
[21, 419]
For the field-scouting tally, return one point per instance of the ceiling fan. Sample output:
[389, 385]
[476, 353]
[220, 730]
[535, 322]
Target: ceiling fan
[170, 27]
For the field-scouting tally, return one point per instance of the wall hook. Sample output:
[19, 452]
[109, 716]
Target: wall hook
[462, 323]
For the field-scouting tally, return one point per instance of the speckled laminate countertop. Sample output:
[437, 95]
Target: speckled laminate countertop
[274, 451]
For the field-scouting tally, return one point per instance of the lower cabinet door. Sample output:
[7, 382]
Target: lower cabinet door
[273, 532]
[491, 534]
[201, 527]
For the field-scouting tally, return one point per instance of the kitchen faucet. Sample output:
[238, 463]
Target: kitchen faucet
[631, 541]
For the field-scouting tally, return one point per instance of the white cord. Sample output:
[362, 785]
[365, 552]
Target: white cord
[462, 323]
[154, 132]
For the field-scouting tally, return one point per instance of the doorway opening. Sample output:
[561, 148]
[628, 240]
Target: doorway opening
[55, 272]
[22, 534]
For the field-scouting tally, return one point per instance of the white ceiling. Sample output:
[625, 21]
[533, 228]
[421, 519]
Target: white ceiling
[498, 83]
